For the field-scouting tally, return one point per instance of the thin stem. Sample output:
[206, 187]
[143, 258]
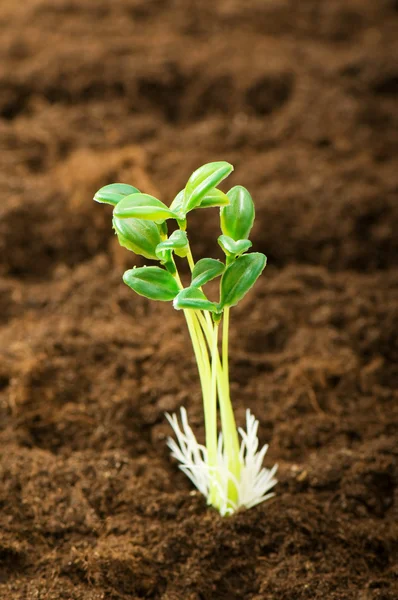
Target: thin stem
[213, 404]
[206, 326]
[190, 259]
[225, 333]
[210, 403]
[191, 264]
[214, 355]
[209, 397]
[204, 331]
[228, 424]
[200, 351]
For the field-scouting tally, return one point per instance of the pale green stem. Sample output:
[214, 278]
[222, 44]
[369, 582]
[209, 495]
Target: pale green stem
[213, 400]
[190, 259]
[225, 334]
[228, 424]
[209, 402]
[191, 264]
[220, 382]
[201, 355]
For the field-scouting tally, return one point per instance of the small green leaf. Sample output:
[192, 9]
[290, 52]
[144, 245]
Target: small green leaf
[205, 270]
[113, 193]
[176, 208]
[237, 218]
[202, 181]
[194, 299]
[178, 242]
[142, 206]
[176, 205]
[141, 237]
[232, 248]
[152, 282]
[239, 277]
[214, 197]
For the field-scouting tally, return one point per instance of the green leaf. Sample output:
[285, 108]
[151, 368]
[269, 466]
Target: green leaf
[113, 193]
[142, 206]
[214, 197]
[141, 237]
[176, 205]
[202, 181]
[152, 282]
[239, 277]
[194, 299]
[205, 270]
[237, 218]
[232, 248]
[178, 242]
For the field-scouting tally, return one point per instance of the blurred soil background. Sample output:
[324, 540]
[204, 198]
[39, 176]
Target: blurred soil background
[301, 98]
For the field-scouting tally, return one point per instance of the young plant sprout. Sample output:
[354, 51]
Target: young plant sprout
[229, 473]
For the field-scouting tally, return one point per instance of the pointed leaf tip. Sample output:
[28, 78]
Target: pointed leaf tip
[205, 270]
[193, 298]
[240, 276]
[113, 193]
[202, 181]
[152, 282]
[214, 197]
[237, 219]
[142, 206]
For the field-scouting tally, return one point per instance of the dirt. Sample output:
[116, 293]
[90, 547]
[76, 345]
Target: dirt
[301, 98]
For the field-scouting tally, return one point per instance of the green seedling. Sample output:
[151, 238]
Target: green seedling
[228, 471]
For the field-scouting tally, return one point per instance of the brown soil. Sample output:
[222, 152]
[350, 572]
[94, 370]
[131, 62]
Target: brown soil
[301, 97]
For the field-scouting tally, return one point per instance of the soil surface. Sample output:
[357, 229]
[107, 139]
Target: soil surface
[301, 98]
